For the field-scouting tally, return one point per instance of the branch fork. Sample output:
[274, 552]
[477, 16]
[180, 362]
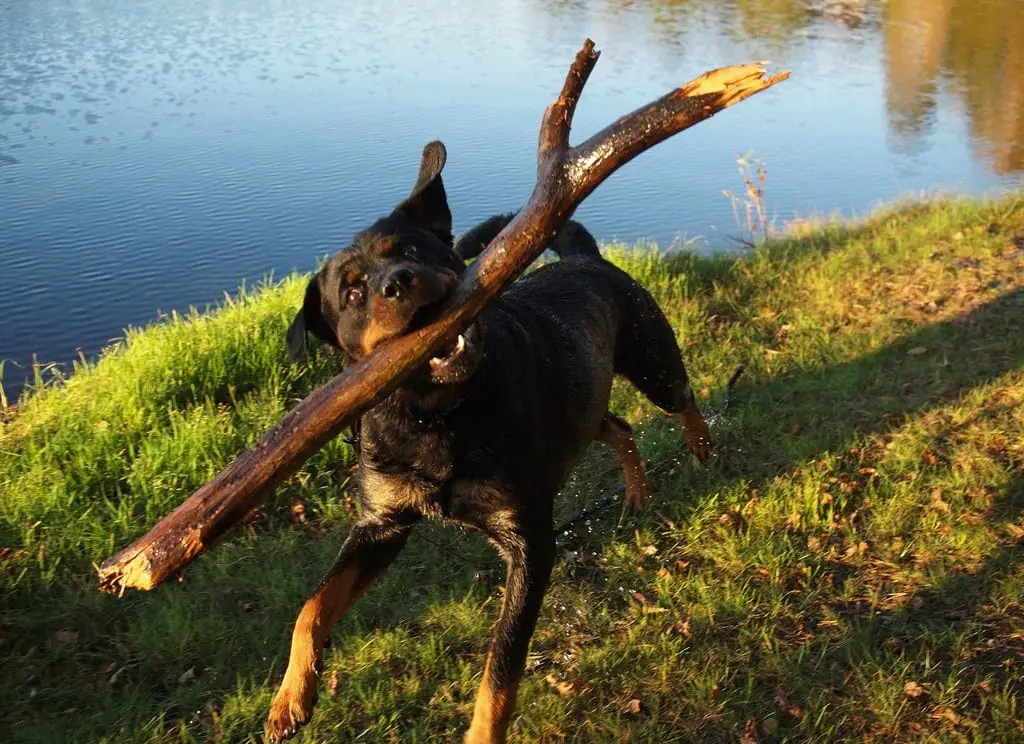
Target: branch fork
[565, 177]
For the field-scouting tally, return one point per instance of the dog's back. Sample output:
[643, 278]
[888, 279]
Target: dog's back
[573, 240]
[584, 293]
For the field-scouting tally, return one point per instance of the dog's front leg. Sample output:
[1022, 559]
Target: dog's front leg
[366, 552]
[529, 559]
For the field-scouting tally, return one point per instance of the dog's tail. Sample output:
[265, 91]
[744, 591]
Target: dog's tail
[573, 240]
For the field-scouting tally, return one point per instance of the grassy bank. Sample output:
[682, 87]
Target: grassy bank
[850, 567]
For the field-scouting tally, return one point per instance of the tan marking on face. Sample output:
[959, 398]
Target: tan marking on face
[386, 320]
[374, 334]
[383, 245]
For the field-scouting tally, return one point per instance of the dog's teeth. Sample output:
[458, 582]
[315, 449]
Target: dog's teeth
[460, 346]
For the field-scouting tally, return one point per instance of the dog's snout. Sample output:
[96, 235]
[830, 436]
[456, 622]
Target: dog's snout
[397, 283]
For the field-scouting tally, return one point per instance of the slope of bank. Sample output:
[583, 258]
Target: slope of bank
[849, 567]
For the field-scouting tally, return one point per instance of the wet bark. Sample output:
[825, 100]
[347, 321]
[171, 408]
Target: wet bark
[565, 177]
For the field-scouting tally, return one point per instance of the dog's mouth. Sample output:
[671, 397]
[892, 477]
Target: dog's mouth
[458, 359]
[449, 357]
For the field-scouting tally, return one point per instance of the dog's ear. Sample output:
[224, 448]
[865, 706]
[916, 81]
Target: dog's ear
[310, 319]
[427, 204]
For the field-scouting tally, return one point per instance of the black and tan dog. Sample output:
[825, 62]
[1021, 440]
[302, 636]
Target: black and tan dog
[485, 434]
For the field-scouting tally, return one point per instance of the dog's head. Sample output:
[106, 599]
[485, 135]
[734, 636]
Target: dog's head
[390, 279]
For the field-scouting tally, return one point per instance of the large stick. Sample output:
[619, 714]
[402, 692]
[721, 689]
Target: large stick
[565, 176]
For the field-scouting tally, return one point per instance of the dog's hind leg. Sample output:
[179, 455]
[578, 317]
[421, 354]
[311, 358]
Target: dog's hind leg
[617, 434]
[367, 551]
[647, 354]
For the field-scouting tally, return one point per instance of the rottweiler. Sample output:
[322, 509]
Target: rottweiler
[484, 435]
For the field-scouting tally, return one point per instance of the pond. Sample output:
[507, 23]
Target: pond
[153, 155]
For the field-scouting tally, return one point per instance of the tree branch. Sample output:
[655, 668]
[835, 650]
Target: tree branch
[557, 120]
[566, 176]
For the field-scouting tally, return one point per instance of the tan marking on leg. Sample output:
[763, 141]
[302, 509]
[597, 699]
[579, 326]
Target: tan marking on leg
[492, 711]
[696, 431]
[617, 434]
[293, 704]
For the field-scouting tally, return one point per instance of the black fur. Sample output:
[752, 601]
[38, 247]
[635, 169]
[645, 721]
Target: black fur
[485, 435]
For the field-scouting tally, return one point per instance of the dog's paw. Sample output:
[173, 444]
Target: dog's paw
[638, 492]
[700, 445]
[697, 433]
[292, 707]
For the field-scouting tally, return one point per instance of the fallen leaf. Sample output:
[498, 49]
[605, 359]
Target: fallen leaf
[750, 733]
[66, 637]
[917, 351]
[912, 689]
[118, 674]
[187, 676]
[332, 683]
[298, 510]
[563, 688]
[937, 501]
[633, 706]
[210, 715]
[783, 702]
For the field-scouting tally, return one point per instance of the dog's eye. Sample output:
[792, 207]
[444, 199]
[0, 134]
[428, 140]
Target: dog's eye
[354, 296]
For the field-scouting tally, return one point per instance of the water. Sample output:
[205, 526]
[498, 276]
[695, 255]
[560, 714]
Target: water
[153, 155]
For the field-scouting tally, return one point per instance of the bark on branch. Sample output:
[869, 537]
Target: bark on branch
[565, 176]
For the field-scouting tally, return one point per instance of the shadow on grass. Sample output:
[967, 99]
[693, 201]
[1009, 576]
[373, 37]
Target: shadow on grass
[832, 406]
[954, 650]
[802, 416]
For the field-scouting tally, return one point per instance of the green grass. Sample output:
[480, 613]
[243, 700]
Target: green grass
[849, 567]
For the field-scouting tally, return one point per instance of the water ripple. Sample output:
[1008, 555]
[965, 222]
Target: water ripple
[154, 155]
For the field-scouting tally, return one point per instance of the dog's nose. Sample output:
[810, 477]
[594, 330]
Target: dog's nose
[397, 283]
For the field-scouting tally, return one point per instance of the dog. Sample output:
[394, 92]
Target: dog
[485, 433]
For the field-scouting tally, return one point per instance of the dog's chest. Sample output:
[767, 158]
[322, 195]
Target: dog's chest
[404, 470]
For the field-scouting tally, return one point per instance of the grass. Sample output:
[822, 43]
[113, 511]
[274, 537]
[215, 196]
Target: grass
[849, 568]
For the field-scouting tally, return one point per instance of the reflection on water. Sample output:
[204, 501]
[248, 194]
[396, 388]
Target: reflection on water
[971, 50]
[152, 155]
